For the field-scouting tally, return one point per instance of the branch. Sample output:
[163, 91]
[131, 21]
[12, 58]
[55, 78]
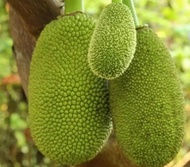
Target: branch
[184, 162]
[27, 19]
[110, 156]
[35, 13]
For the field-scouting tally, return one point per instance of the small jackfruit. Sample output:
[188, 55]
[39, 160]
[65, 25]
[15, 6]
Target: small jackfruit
[113, 42]
[147, 104]
[69, 114]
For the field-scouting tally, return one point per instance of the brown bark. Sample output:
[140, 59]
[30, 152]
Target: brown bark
[23, 46]
[110, 156]
[35, 13]
[27, 19]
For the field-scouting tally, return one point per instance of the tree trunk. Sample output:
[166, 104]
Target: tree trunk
[27, 19]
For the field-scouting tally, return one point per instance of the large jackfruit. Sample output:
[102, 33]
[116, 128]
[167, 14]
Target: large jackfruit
[68, 105]
[113, 42]
[147, 104]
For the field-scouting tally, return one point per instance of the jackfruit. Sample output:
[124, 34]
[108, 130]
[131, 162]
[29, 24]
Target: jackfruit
[113, 42]
[147, 103]
[69, 114]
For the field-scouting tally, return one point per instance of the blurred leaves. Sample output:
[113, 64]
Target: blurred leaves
[6, 58]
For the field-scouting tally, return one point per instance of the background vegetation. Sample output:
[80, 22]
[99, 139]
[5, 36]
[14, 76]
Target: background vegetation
[168, 18]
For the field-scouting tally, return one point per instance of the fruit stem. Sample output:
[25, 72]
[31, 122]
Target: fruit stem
[74, 6]
[117, 1]
[130, 4]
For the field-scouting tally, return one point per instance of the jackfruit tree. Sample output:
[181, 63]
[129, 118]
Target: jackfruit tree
[77, 115]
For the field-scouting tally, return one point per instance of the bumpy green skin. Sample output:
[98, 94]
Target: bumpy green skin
[147, 104]
[68, 105]
[113, 42]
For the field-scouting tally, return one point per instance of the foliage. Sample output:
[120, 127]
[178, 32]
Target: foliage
[6, 60]
[168, 18]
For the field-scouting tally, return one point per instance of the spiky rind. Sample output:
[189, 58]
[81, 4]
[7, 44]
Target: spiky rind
[69, 114]
[113, 42]
[147, 104]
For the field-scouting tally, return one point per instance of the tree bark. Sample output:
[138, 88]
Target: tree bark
[27, 19]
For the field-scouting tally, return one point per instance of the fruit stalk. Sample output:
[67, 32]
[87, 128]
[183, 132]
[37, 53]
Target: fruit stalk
[73, 6]
[130, 4]
[117, 1]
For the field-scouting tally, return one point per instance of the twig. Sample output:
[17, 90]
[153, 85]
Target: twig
[183, 161]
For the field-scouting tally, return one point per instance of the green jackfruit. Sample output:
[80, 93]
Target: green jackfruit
[113, 42]
[69, 114]
[147, 104]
